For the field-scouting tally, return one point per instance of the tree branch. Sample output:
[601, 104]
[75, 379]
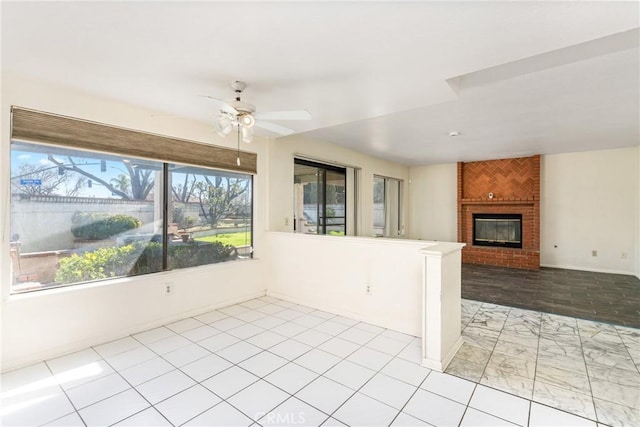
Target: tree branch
[91, 176]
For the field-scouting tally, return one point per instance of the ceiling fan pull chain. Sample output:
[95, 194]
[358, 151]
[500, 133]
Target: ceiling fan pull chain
[238, 156]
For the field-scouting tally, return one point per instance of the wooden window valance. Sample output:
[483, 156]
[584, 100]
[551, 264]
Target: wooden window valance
[36, 126]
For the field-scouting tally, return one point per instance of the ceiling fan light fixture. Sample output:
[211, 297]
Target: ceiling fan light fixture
[247, 120]
[224, 125]
[240, 114]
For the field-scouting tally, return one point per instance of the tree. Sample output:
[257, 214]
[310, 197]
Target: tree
[141, 180]
[217, 197]
[122, 182]
[183, 192]
[51, 181]
[378, 190]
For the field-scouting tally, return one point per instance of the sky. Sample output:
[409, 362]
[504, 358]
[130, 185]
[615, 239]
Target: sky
[36, 154]
[92, 165]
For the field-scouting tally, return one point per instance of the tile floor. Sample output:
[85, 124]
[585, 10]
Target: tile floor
[583, 367]
[603, 297]
[269, 362]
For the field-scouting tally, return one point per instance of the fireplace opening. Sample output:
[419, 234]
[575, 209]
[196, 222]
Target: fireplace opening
[503, 230]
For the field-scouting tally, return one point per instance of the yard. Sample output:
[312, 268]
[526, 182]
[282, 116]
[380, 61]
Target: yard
[242, 238]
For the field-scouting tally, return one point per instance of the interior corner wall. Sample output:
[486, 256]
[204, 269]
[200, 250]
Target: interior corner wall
[589, 203]
[48, 323]
[433, 202]
[280, 174]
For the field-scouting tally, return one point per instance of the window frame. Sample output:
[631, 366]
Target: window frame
[386, 182]
[325, 167]
[165, 191]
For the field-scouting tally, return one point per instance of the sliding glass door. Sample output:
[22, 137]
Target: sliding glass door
[319, 198]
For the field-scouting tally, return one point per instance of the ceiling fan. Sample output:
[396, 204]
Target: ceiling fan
[243, 115]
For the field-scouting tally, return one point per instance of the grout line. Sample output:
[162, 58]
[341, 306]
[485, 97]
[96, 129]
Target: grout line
[124, 391]
[65, 394]
[637, 366]
[586, 369]
[535, 372]
[365, 383]
[411, 397]
[494, 345]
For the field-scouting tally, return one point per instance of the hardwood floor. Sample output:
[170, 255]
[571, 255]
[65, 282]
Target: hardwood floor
[610, 298]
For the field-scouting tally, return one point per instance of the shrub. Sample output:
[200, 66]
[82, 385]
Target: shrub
[181, 256]
[108, 262]
[138, 258]
[183, 221]
[99, 226]
[189, 222]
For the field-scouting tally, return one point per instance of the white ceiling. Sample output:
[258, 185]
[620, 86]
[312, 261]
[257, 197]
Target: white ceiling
[388, 78]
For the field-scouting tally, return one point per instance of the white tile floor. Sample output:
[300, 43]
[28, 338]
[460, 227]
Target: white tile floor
[269, 362]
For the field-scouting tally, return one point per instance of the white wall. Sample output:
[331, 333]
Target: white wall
[433, 202]
[330, 273]
[48, 323]
[589, 201]
[281, 155]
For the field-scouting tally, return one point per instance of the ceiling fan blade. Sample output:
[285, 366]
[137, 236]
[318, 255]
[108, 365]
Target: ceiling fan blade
[284, 115]
[223, 105]
[274, 127]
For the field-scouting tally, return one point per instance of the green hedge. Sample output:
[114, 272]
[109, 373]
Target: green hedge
[138, 258]
[100, 226]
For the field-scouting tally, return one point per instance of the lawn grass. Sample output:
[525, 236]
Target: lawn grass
[241, 238]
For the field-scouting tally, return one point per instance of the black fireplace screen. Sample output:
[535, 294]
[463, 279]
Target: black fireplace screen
[497, 230]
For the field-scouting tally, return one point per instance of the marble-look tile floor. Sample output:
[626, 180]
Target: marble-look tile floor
[583, 367]
[269, 362]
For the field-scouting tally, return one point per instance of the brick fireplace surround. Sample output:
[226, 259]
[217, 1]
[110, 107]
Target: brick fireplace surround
[515, 184]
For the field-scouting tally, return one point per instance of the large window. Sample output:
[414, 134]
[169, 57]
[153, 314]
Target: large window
[320, 199]
[78, 216]
[387, 205]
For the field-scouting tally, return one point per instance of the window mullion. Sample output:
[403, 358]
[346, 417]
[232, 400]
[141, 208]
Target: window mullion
[165, 216]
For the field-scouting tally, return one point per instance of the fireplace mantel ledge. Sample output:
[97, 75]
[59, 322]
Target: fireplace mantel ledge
[510, 201]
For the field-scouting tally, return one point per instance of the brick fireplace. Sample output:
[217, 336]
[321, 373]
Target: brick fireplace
[506, 187]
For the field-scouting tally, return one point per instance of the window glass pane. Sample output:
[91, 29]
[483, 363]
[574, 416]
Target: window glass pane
[307, 198]
[78, 216]
[378, 206]
[209, 216]
[387, 205]
[335, 203]
[319, 198]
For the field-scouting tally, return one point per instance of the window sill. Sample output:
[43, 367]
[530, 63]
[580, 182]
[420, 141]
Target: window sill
[158, 276]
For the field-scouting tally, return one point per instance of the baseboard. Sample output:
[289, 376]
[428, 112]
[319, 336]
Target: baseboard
[101, 339]
[441, 365]
[405, 329]
[590, 269]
